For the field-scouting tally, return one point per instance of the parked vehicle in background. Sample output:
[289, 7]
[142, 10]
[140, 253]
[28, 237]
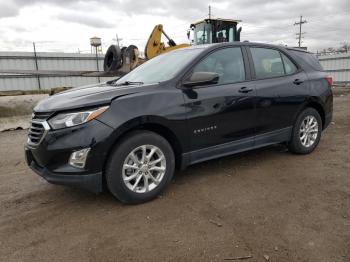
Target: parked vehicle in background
[180, 108]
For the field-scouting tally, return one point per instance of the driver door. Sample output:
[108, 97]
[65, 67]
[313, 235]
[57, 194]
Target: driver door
[221, 117]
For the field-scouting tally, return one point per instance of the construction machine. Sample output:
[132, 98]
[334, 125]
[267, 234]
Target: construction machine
[121, 61]
[206, 31]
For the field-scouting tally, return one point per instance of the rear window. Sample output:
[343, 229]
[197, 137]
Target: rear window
[307, 60]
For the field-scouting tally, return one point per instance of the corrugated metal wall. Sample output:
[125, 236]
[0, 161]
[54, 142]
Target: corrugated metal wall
[338, 66]
[47, 61]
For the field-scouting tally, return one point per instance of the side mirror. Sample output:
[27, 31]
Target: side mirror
[238, 34]
[201, 79]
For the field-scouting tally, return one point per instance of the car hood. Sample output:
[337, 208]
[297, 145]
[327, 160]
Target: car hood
[85, 96]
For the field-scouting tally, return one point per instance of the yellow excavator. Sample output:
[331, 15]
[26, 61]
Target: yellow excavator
[119, 61]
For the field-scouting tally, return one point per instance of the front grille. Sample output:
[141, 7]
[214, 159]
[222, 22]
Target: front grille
[36, 132]
[38, 128]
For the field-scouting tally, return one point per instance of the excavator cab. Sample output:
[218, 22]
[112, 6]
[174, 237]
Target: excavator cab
[209, 31]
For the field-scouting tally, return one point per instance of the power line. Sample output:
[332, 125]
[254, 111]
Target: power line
[299, 35]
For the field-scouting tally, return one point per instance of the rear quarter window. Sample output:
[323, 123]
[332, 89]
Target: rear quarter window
[289, 66]
[307, 60]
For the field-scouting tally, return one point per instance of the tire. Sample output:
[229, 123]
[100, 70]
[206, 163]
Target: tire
[113, 59]
[310, 121]
[131, 52]
[128, 179]
[122, 50]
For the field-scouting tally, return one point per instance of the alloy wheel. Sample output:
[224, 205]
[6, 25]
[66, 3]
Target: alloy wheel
[144, 168]
[308, 131]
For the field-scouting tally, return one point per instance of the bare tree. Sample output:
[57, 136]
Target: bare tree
[344, 47]
[331, 50]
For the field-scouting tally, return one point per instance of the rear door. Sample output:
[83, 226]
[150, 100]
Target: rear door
[222, 112]
[281, 89]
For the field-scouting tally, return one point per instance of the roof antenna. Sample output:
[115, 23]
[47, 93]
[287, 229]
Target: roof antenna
[209, 12]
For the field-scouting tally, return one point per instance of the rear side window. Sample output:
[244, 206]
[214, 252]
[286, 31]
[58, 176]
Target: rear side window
[267, 62]
[227, 62]
[289, 66]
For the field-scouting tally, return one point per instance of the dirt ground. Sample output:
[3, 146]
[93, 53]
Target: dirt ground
[265, 204]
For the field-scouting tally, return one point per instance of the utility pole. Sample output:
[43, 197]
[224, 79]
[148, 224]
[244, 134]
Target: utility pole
[36, 66]
[118, 39]
[299, 35]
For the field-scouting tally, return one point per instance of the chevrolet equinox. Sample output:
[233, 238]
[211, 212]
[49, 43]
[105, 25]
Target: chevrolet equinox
[177, 109]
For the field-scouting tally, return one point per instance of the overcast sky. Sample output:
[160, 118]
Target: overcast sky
[67, 25]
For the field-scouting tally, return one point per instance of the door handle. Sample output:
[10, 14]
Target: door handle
[245, 90]
[297, 82]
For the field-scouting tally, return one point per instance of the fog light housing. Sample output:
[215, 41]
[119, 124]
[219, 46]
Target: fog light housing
[78, 158]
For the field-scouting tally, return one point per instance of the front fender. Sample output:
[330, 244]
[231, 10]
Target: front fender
[162, 107]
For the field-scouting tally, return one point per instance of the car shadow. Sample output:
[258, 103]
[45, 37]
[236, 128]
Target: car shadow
[233, 162]
[226, 164]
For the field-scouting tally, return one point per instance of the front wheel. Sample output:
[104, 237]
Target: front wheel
[140, 167]
[306, 132]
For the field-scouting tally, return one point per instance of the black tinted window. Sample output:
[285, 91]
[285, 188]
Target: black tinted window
[267, 62]
[227, 62]
[289, 66]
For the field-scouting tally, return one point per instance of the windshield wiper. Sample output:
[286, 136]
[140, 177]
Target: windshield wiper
[127, 83]
[111, 82]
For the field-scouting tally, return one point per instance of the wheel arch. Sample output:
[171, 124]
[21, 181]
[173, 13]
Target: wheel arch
[168, 134]
[313, 103]
[149, 123]
[319, 108]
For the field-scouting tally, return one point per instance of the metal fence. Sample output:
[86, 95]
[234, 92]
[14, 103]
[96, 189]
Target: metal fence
[337, 65]
[47, 61]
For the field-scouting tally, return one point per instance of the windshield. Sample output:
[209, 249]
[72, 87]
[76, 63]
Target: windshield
[202, 34]
[225, 32]
[161, 68]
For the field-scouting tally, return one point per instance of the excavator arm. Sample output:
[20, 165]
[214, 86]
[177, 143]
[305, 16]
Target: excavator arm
[156, 47]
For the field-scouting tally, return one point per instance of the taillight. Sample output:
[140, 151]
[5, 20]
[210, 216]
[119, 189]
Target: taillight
[329, 80]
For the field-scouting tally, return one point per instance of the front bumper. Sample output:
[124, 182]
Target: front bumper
[50, 159]
[89, 182]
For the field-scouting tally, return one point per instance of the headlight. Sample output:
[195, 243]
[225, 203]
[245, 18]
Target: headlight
[75, 118]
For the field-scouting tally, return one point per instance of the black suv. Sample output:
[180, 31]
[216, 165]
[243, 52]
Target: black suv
[180, 108]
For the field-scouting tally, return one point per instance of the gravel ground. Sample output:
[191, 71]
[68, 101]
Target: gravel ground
[265, 204]
[15, 111]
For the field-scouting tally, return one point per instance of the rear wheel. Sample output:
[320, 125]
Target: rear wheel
[306, 132]
[140, 167]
